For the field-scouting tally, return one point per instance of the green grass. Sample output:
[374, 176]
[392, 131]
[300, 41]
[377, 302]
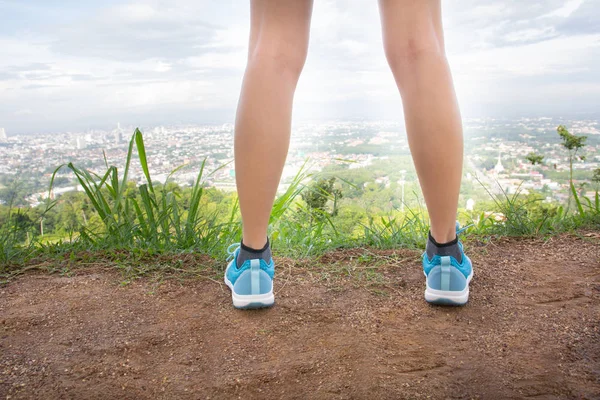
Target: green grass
[151, 218]
[530, 216]
[15, 244]
[132, 224]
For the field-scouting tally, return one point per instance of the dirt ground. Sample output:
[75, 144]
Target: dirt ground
[350, 325]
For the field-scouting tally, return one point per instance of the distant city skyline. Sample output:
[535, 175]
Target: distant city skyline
[69, 65]
[495, 149]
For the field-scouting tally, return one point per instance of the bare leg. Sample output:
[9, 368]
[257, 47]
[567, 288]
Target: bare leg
[414, 47]
[278, 45]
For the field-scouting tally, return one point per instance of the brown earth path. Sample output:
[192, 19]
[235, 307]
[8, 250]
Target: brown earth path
[351, 325]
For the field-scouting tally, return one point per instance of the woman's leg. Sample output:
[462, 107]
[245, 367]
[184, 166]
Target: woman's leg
[277, 51]
[414, 47]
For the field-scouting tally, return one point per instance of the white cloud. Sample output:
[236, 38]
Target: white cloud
[566, 10]
[135, 13]
[529, 35]
[146, 56]
[556, 56]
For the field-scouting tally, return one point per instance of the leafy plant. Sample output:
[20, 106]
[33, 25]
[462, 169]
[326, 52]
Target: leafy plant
[535, 158]
[573, 144]
[319, 193]
[154, 217]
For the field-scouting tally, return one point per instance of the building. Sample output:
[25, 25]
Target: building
[118, 134]
[499, 168]
[3, 134]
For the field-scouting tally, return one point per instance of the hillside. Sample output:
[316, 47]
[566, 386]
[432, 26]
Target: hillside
[351, 324]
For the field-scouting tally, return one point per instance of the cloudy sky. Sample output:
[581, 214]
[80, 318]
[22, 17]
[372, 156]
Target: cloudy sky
[68, 65]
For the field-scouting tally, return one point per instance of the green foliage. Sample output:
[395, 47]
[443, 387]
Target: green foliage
[535, 158]
[596, 176]
[15, 235]
[319, 193]
[341, 207]
[14, 189]
[523, 215]
[571, 142]
[155, 217]
[401, 230]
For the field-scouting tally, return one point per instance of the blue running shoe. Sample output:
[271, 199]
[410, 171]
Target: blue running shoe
[447, 280]
[252, 284]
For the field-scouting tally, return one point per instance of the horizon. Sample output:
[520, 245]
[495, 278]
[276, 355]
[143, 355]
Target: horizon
[71, 66]
[571, 122]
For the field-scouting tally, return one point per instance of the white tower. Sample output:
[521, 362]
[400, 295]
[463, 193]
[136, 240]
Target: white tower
[3, 134]
[499, 168]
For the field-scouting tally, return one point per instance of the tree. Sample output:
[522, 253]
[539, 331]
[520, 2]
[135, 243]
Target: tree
[573, 144]
[535, 158]
[596, 177]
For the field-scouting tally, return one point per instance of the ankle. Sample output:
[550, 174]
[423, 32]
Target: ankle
[252, 247]
[254, 243]
[447, 248]
[443, 236]
[253, 253]
[445, 243]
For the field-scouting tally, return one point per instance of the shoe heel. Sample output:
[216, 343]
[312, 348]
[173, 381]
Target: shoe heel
[446, 285]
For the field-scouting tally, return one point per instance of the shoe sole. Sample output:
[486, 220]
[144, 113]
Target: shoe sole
[250, 301]
[448, 297]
